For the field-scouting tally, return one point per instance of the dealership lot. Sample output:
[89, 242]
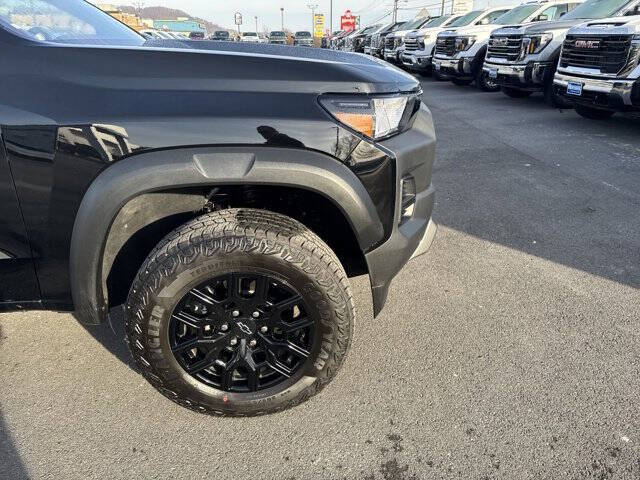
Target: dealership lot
[511, 350]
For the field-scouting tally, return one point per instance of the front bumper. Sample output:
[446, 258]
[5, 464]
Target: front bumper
[416, 60]
[392, 56]
[462, 68]
[414, 153]
[528, 77]
[607, 94]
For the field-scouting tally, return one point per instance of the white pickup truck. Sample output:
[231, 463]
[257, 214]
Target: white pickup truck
[420, 44]
[457, 57]
[524, 59]
[599, 68]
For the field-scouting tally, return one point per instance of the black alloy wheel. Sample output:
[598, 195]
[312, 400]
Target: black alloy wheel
[242, 332]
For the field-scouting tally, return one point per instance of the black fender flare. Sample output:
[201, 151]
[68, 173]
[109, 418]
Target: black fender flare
[156, 171]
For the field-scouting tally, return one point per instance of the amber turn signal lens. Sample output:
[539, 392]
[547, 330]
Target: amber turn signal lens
[360, 122]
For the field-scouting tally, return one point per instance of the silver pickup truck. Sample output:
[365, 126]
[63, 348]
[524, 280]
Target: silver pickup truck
[599, 68]
[524, 60]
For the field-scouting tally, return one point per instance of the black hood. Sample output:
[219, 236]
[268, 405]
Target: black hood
[277, 67]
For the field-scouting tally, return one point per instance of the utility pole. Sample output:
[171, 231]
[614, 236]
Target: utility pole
[282, 17]
[313, 8]
[330, 18]
[442, 9]
[256, 17]
[395, 11]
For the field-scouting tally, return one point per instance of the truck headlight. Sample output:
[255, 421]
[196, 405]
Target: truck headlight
[464, 43]
[532, 44]
[421, 40]
[375, 117]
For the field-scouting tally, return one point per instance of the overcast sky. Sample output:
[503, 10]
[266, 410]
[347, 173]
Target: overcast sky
[297, 16]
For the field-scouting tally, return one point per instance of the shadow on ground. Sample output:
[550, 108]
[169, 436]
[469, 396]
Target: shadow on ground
[546, 182]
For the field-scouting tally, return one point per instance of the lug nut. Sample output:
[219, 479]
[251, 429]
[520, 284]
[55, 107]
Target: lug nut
[255, 314]
[264, 329]
[235, 313]
[253, 343]
[224, 327]
[233, 341]
[207, 328]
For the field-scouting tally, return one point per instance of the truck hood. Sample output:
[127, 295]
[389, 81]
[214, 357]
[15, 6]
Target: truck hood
[426, 31]
[608, 26]
[234, 66]
[541, 27]
[479, 30]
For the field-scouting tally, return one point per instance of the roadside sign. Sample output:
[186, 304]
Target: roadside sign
[348, 22]
[318, 25]
[238, 18]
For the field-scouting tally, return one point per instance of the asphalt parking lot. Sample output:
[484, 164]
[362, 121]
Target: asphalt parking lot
[510, 351]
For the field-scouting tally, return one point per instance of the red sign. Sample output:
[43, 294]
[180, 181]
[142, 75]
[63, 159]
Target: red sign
[348, 22]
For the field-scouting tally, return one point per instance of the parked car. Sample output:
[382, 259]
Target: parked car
[529, 63]
[221, 36]
[599, 68]
[250, 37]
[356, 42]
[226, 238]
[196, 35]
[151, 34]
[337, 41]
[303, 39]
[394, 42]
[278, 37]
[419, 45]
[376, 43]
[346, 42]
[459, 52]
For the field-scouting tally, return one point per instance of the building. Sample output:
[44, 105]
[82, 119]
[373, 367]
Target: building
[181, 25]
[128, 19]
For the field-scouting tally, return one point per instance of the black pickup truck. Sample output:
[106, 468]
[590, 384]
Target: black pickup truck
[222, 192]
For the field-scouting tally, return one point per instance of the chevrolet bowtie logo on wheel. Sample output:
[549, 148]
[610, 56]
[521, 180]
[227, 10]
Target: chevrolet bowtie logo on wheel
[244, 328]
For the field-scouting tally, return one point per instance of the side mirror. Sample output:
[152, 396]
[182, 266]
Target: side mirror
[562, 14]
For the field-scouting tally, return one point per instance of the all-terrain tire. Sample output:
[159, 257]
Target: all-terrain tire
[239, 240]
[515, 93]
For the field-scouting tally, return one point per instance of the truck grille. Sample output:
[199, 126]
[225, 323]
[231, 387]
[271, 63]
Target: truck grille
[411, 44]
[446, 46]
[505, 46]
[609, 54]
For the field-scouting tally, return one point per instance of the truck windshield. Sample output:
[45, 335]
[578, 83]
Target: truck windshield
[303, 34]
[277, 34]
[516, 15]
[466, 19]
[436, 22]
[249, 34]
[64, 21]
[222, 34]
[417, 23]
[593, 9]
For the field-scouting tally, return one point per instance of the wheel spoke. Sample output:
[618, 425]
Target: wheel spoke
[279, 308]
[289, 327]
[287, 345]
[187, 319]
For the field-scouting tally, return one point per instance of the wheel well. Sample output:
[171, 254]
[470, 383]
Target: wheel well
[146, 219]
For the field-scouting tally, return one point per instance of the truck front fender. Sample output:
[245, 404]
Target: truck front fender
[158, 171]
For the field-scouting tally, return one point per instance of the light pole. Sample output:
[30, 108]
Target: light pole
[282, 17]
[313, 8]
[330, 18]
[256, 24]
